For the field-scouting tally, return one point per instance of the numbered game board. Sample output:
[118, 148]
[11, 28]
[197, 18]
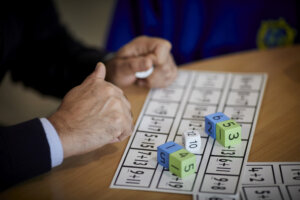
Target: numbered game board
[168, 112]
[268, 181]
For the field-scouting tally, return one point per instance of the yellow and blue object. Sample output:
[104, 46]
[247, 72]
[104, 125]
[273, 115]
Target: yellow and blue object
[211, 123]
[164, 151]
[178, 160]
[225, 130]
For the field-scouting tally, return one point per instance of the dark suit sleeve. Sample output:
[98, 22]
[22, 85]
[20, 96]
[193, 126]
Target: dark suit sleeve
[24, 152]
[47, 57]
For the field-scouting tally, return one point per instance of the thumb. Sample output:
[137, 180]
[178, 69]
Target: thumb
[100, 70]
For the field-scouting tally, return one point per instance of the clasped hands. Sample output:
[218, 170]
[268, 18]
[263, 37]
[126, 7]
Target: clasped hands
[96, 112]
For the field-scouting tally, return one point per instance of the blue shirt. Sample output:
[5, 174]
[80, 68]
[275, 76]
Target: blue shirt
[200, 29]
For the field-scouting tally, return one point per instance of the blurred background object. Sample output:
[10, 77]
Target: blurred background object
[88, 21]
[197, 29]
[200, 29]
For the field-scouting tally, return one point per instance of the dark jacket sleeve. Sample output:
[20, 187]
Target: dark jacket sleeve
[46, 56]
[24, 152]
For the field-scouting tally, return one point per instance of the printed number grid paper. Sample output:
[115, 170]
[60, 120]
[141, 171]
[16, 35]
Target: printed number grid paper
[168, 112]
[268, 181]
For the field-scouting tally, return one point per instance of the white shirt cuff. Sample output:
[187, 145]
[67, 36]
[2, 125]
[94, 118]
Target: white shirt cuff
[56, 149]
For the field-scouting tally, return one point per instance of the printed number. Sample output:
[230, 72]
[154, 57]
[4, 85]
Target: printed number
[224, 160]
[162, 158]
[147, 135]
[262, 192]
[145, 153]
[234, 136]
[139, 163]
[254, 169]
[218, 188]
[256, 179]
[137, 172]
[147, 145]
[194, 145]
[188, 168]
[175, 184]
[218, 117]
[228, 152]
[228, 124]
[191, 134]
[210, 127]
[297, 173]
[221, 179]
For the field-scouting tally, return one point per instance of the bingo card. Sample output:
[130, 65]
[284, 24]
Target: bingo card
[168, 112]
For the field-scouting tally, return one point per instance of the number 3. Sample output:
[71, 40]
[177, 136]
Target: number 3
[234, 136]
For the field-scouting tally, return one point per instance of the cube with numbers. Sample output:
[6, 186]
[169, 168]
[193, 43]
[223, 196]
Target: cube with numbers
[228, 133]
[182, 163]
[164, 151]
[211, 122]
[191, 140]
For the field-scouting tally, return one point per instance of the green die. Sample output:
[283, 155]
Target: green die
[228, 133]
[182, 163]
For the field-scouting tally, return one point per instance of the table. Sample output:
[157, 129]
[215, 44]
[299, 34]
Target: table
[277, 136]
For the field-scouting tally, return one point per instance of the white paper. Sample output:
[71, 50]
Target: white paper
[266, 181]
[168, 112]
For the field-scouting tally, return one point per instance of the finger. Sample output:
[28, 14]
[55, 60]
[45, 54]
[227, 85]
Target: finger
[136, 47]
[140, 63]
[162, 77]
[162, 51]
[100, 70]
[144, 45]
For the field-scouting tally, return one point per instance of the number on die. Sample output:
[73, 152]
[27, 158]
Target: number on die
[177, 159]
[226, 131]
[191, 140]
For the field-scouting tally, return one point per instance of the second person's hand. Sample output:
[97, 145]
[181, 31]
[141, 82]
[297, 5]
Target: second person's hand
[140, 55]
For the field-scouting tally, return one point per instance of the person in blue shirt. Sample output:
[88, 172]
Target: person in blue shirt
[199, 29]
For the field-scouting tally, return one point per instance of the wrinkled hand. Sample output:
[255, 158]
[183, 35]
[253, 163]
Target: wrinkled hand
[92, 114]
[140, 55]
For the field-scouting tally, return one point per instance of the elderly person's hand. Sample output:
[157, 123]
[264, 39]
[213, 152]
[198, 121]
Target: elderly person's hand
[140, 55]
[91, 115]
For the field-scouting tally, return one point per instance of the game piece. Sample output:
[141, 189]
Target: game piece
[228, 133]
[182, 163]
[191, 140]
[144, 74]
[164, 151]
[211, 121]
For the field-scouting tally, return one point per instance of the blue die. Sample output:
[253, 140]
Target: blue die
[211, 122]
[164, 151]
